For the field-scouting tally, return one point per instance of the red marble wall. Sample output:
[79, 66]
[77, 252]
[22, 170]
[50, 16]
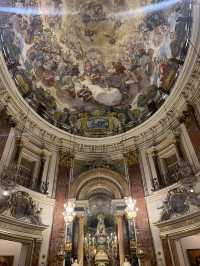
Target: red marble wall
[144, 238]
[58, 228]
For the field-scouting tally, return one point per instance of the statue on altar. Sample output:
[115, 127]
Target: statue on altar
[75, 263]
[101, 229]
[101, 258]
[126, 262]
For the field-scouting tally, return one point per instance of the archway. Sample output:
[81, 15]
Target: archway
[99, 198]
[99, 179]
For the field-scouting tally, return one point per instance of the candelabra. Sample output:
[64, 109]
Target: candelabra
[91, 246]
[131, 209]
[112, 247]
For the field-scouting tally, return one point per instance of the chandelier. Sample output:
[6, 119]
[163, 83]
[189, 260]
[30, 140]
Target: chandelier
[69, 212]
[131, 209]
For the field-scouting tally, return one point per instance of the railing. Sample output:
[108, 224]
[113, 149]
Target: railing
[168, 179]
[181, 170]
[25, 179]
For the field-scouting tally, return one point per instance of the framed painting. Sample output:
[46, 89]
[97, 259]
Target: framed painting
[194, 256]
[6, 260]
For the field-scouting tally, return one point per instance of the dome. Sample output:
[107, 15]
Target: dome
[95, 68]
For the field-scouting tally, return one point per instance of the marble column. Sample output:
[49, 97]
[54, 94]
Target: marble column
[155, 182]
[40, 175]
[46, 168]
[159, 175]
[120, 235]
[142, 226]
[81, 221]
[52, 171]
[58, 228]
[147, 171]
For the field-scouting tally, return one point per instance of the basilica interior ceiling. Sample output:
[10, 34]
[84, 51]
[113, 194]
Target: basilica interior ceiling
[95, 67]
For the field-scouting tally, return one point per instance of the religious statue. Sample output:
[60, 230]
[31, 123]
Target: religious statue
[75, 263]
[101, 229]
[101, 257]
[126, 262]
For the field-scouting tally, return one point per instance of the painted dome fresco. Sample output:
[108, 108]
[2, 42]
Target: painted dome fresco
[95, 68]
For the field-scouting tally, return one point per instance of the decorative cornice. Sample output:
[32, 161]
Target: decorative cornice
[19, 226]
[181, 225]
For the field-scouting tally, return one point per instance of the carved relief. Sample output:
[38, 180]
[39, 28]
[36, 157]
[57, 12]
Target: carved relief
[179, 202]
[20, 205]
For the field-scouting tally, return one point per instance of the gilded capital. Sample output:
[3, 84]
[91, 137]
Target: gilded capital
[65, 158]
[132, 157]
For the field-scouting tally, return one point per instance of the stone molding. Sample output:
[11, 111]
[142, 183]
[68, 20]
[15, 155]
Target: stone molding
[16, 227]
[186, 89]
[181, 226]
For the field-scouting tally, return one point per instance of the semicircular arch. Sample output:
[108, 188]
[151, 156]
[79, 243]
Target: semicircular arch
[99, 179]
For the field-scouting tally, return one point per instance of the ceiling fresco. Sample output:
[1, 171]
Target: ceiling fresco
[94, 68]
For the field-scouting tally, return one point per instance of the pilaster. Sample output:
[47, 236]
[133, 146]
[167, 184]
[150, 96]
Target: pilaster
[143, 232]
[120, 235]
[58, 228]
[81, 222]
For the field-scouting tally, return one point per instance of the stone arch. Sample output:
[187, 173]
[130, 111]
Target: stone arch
[99, 180]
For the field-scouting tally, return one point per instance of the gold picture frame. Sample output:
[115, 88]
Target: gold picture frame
[6, 260]
[194, 257]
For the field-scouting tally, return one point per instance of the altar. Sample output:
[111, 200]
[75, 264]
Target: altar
[101, 235]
